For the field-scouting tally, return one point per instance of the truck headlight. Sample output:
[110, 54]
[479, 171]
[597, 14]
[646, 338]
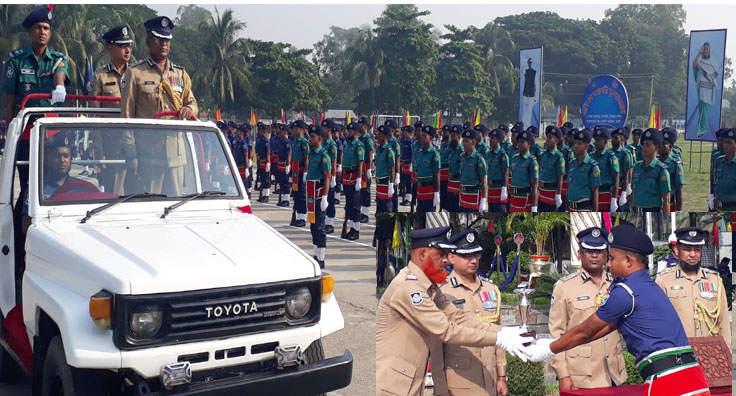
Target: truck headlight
[298, 302]
[145, 320]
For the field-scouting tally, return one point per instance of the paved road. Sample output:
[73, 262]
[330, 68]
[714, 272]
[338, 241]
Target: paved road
[352, 263]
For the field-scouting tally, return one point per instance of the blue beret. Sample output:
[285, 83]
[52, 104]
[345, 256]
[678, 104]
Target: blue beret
[553, 130]
[300, 124]
[466, 242]
[318, 130]
[248, 127]
[669, 135]
[568, 125]
[431, 237]
[339, 127]
[232, 124]
[520, 124]
[384, 130]
[653, 134]
[593, 238]
[284, 127]
[729, 133]
[627, 132]
[391, 124]
[533, 130]
[365, 121]
[470, 134]
[496, 133]
[525, 135]
[42, 14]
[221, 124]
[626, 237]
[354, 126]
[419, 125]
[586, 135]
[446, 128]
[242, 128]
[481, 128]
[572, 132]
[261, 125]
[160, 27]
[637, 132]
[429, 130]
[118, 35]
[467, 125]
[517, 129]
[617, 131]
[503, 127]
[60, 139]
[602, 132]
[328, 124]
[456, 128]
[690, 236]
[407, 128]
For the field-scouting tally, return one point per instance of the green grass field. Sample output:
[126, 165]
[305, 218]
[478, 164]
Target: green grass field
[696, 163]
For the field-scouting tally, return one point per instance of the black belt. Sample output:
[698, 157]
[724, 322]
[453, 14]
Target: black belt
[548, 185]
[469, 188]
[667, 363]
[604, 188]
[406, 161]
[349, 169]
[425, 183]
[383, 180]
[520, 190]
[641, 209]
[728, 204]
[455, 176]
[580, 205]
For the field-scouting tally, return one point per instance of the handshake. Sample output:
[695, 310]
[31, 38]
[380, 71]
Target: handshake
[514, 341]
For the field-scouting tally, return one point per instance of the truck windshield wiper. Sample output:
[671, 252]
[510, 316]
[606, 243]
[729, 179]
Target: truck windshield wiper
[120, 200]
[188, 198]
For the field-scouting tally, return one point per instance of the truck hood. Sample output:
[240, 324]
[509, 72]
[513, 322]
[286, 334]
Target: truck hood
[174, 256]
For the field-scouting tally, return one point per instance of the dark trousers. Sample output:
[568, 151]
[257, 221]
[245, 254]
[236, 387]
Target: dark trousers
[263, 179]
[330, 205]
[385, 205]
[414, 197]
[319, 238]
[395, 201]
[497, 207]
[425, 206]
[352, 202]
[365, 194]
[300, 196]
[284, 183]
[545, 207]
[381, 262]
[405, 185]
[453, 202]
[443, 196]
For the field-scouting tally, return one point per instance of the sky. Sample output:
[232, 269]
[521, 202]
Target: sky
[302, 25]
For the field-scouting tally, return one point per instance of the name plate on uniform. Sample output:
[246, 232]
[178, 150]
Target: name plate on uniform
[715, 358]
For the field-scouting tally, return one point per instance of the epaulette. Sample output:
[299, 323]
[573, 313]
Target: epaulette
[57, 53]
[138, 63]
[176, 66]
[103, 68]
[662, 165]
[567, 278]
[16, 52]
[709, 270]
[639, 162]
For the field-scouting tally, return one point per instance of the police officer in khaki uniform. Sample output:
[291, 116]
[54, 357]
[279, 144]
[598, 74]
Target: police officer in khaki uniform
[696, 293]
[413, 311]
[106, 82]
[151, 86]
[574, 299]
[469, 370]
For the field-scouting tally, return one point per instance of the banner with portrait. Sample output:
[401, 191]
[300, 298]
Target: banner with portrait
[706, 57]
[530, 86]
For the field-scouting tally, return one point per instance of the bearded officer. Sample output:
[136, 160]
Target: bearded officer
[696, 293]
[468, 292]
[151, 86]
[640, 310]
[574, 299]
[413, 311]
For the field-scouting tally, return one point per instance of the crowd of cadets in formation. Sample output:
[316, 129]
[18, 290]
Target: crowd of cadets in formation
[472, 168]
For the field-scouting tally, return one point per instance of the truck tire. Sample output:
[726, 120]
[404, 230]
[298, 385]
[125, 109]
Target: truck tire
[9, 368]
[60, 379]
[313, 354]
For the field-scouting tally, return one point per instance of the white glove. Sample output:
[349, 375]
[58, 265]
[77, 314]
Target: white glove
[323, 204]
[246, 173]
[436, 200]
[288, 169]
[539, 351]
[534, 209]
[268, 167]
[368, 174]
[622, 201]
[483, 205]
[504, 193]
[390, 190]
[58, 95]
[510, 339]
[250, 162]
[558, 200]
[305, 177]
[711, 201]
[357, 184]
[339, 168]
[613, 205]
[397, 179]
[411, 167]
[333, 182]
[628, 189]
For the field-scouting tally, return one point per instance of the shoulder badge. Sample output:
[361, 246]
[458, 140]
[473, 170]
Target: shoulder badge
[10, 72]
[411, 276]
[102, 68]
[664, 177]
[177, 66]
[595, 173]
[567, 278]
[140, 62]
[416, 297]
[324, 159]
[19, 51]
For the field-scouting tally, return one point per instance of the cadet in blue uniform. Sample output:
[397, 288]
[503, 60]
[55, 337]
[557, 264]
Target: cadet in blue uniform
[583, 176]
[385, 163]
[568, 151]
[524, 176]
[331, 147]
[674, 167]
[724, 173]
[319, 173]
[625, 160]
[473, 171]
[454, 170]
[406, 144]
[352, 169]
[273, 142]
[283, 150]
[505, 143]
[299, 163]
[365, 190]
[650, 180]
[427, 166]
[498, 169]
[551, 171]
[608, 166]
[250, 142]
[263, 161]
[714, 154]
[638, 308]
[444, 165]
[240, 155]
[338, 136]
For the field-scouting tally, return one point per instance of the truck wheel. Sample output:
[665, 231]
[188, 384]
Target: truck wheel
[9, 368]
[57, 375]
[313, 354]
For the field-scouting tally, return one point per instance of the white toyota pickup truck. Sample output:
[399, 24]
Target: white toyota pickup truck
[137, 268]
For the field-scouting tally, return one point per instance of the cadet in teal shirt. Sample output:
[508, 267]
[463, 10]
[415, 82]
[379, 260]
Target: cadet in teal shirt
[427, 167]
[608, 165]
[535, 149]
[725, 173]
[505, 143]
[353, 161]
[583, 176]
[636, 145]
[319, 173]
[626, 165]
[444, 165]
[385, 163]
[651, 180]
[331, 147]
[551, 171]
[524, 176]
[453, 160]
[497, 162]
[674, 167]
[714, 154]
[368, 146]
[473, 175]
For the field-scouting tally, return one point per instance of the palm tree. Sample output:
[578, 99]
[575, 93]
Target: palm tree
[497, 46]
[228, 57]
[538, 225]
[12, 35]
[364, 64]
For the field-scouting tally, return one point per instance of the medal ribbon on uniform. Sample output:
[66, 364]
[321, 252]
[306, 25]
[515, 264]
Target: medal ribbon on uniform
[487, 299]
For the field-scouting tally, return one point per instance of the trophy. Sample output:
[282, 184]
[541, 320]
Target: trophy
[537, 266]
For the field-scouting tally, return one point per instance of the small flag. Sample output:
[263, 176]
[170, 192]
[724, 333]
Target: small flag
[477, 118]
[252, 117]
[218, 115]
[348, 119]
[439, 119]
[373, 119]
[396, 242]
[658, 118]
[607, 220]
[559, 116]
[715, 231]
[283, 116]
[491, 227]
[257, 118]
[321, 117]
[564, 118]
[652, 122]
[313, 122]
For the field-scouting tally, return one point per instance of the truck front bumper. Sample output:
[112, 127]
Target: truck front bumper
[309, 379]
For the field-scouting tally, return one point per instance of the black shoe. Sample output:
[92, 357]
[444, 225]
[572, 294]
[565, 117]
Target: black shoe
[353, 235]
[405, 203]
[293, 223]
[283, 204]
[301, 223]
[321, 264]
[265, 199]
[329, 229]
[364, 219]
[336, 201]
[346, 236]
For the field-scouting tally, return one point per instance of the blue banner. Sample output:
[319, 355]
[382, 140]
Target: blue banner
[605, 102]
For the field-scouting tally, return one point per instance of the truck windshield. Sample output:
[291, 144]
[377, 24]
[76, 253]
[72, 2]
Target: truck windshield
[99, 163]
